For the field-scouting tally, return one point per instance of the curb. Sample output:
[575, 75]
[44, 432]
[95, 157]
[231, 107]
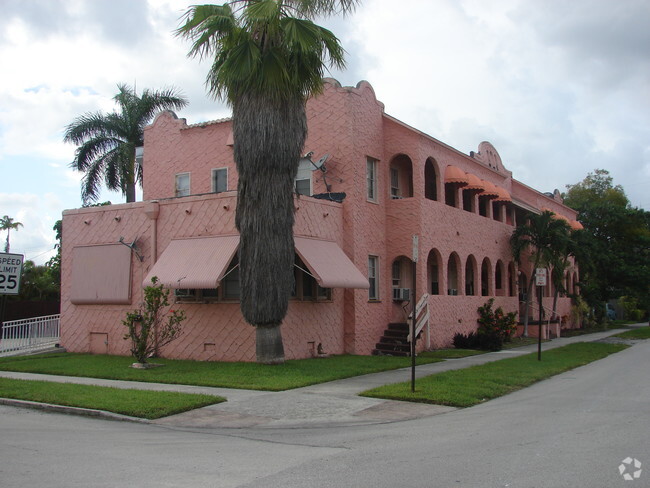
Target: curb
[86, 412]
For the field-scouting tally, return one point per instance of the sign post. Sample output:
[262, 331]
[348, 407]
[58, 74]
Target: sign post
[413, 313]
[540, 281]
[11, 269]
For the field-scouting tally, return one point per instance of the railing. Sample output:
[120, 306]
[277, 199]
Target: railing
[421, 315]
[549, 313]
[30, 334]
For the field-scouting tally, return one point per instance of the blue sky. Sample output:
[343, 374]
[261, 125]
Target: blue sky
[560, 88]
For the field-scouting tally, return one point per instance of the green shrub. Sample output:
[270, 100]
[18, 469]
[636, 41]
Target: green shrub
[496, 322]
[152, 327]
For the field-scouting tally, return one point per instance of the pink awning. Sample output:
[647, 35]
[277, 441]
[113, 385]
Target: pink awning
[575, 225]
[329, 264]
[456, 175]
[490, 190]
[474, 183]
[504, 196]
[198, 262]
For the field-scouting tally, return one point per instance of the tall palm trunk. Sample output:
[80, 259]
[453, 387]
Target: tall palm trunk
[269, 138]
[530, 290]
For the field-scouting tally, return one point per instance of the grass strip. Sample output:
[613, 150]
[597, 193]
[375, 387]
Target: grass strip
[638, 333]
[134, 403]
[252, 376]
[477, 384]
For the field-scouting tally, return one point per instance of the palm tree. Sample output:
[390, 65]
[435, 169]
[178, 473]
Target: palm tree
[7, 223]
[565, 248]
[107, 142]
[268, 59]
[542, 236]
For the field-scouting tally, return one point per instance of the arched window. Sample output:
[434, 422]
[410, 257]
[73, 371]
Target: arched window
[499, 279]
[434, 264]
[401, 177]
[431, 179]
[470, 276]
[486, 273]
[453, 274]
[512, 284]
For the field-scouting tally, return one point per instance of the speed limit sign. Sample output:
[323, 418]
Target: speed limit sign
[11, 269]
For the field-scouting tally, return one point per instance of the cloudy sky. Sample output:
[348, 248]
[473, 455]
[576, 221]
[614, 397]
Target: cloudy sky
[559, 87]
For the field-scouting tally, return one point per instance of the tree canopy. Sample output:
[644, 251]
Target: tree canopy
[616, 237]
[107, 142]
[7, 223]
[268, 57]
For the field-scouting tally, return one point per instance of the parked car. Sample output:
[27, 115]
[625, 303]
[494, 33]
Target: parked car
[611, 312]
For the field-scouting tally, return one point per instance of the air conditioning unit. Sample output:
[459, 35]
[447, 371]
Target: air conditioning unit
[401, 294]
[184, 293]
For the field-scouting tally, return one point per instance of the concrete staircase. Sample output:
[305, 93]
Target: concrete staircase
[394, 341]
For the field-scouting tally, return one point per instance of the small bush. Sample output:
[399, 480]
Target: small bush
[154, 325]
[496, 322]
[485, 341]
[464, 341]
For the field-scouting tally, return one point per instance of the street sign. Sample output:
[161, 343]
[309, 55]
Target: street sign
[11, 269]
[540, 277]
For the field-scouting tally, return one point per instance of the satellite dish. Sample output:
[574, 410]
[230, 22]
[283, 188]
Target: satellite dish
[318, 164]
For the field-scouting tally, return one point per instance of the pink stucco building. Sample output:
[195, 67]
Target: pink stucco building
[353, 257]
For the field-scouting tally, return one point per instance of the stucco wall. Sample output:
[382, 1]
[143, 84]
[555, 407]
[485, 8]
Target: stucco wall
[350, 125]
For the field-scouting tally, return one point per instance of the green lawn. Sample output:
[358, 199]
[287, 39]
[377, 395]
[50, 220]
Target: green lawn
[134, 403]
[637, 333]
[470, 386]
[252, 376]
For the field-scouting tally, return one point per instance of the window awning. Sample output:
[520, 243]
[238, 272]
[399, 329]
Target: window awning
[474, 183]
[453, 174]
[504, 196]
[490, 190]
[328, 264]
[198, 262]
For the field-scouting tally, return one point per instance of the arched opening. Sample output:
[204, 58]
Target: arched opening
[431, 178]
[455, 179]
[401, 177]
[453, 274]
[401, 276]
[486, 282]
[499, 279]
[470, 276]
[512, 284]
[434, 264]
[523, 286]
[575, 288]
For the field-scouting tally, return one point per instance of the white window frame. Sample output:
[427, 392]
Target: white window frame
[295, 186]
[373, 278]
[397, 273]
[180, 192]
[394, 184]
[216, 171]
[371, 179]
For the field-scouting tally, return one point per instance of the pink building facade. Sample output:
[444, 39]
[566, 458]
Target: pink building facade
[353, 257]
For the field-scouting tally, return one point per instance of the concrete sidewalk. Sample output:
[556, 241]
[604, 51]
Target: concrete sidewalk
[322, 405]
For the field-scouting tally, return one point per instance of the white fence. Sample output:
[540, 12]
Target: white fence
[29, 334]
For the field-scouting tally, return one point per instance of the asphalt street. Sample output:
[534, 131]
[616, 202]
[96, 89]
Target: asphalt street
[573, 430]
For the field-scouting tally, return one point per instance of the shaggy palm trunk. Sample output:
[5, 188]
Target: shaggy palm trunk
[269, 138]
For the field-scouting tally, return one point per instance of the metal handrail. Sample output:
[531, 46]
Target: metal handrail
[550, 314]
[30, 334]
[421, 319]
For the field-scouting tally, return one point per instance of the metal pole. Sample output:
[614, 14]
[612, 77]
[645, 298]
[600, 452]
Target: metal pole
[413, 318]
[539, 333]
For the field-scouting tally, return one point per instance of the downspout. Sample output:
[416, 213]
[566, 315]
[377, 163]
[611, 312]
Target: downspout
[152, 211]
